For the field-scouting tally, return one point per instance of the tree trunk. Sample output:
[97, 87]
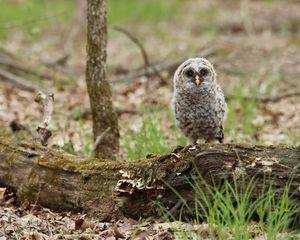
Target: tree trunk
[103, 114]
[109, 188]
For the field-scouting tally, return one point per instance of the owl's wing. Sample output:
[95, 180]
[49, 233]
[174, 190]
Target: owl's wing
[221, 102]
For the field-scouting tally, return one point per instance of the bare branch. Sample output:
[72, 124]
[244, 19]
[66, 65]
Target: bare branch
[147, 65]
[161, 66]
[16, 67]
[267, 99]
[16, 80]
[280, 97]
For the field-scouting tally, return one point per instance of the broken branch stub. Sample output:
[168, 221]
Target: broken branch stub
[44, 133]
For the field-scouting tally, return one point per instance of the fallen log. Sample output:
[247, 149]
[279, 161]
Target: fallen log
[62, 181]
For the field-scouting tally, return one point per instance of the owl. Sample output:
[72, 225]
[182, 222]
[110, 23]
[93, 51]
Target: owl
[198, 102]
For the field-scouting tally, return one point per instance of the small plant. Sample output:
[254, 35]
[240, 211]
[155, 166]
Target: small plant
[241, 112]
[150, 138]
[153, 137]
[230, 210]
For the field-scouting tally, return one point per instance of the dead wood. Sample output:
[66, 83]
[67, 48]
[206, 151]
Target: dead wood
[147, 65]
[17, 81]
[109, 188]
[267, 99]
[153, 68]
[21, 74]
[279, 97]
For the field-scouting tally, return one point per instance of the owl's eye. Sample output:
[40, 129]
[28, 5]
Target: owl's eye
[189, 73]
[203, 72]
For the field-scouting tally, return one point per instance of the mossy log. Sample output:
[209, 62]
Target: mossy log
[109, 188]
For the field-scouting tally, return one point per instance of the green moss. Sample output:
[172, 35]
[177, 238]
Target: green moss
[32, 174]
[1, 148]
[12, 157]
[28, 192]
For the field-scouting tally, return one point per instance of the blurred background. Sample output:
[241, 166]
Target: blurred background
[254, 45]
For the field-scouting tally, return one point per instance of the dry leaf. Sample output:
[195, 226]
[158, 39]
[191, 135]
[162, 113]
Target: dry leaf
[2, 191]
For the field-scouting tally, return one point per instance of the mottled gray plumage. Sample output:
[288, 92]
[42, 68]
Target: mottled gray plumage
[198, 102]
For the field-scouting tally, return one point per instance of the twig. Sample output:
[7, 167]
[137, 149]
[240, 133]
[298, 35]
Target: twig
[47, 104]
[16, 80]
[171, 211]
[26, 69]
[147, 65]
[14, 65]
[126, 111]
[99, 139]
[279, 97]
[161, 66]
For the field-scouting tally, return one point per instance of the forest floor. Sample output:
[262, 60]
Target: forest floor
[254, 46]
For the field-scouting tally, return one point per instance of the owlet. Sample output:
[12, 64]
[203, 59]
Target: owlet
[198, 102]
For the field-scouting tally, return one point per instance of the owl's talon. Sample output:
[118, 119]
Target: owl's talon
[178, 149]
[186, 148]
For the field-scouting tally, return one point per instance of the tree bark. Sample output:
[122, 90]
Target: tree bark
[103, 114]
[109, 188]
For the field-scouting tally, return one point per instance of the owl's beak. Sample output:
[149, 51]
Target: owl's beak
[197, 81]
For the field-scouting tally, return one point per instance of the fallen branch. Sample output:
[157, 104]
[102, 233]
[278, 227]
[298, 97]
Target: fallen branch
[47, 108]
[129, 188]
[169, 66]
[280, 97]
[267, 99]
[121, 111]
[17, 81]
[17, 67]
[147, 65]
[21, 69]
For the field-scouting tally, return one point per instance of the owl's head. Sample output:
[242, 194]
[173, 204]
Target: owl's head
[194, 72]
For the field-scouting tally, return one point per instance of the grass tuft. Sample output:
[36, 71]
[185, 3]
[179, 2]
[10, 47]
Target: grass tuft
[230, 211]
[150, 138]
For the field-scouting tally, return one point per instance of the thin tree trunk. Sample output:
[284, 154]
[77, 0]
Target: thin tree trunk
[103, 114]
[109, 188]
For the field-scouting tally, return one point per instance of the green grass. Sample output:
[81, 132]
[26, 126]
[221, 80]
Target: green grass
[242, 112]
[83, 136]
[32, 16]
[130, 11]
[152, 138]
[230, 211]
